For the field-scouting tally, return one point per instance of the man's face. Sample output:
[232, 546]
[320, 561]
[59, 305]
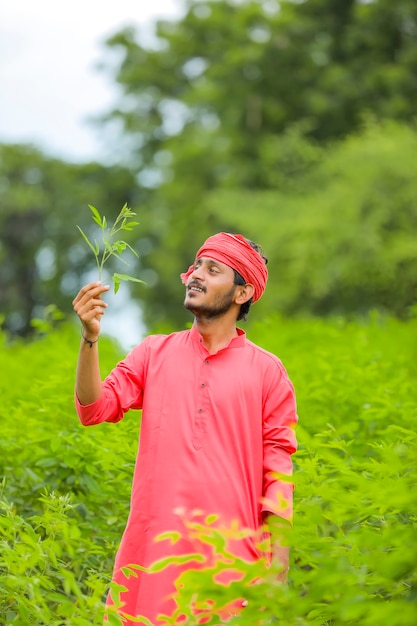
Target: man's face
[210, 289]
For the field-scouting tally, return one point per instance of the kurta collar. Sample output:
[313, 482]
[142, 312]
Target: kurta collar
[236, 342]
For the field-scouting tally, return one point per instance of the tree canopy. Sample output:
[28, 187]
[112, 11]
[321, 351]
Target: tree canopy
[293, 122]
[254, 97]
[242, 71]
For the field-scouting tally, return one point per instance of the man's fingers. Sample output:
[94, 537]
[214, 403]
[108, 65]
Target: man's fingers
[90, 296]
[92, 290]
[90, 307]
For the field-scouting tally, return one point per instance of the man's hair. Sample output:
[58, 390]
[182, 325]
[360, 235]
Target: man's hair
[239, 280]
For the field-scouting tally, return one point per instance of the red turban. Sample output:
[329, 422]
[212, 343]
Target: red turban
[237, 253]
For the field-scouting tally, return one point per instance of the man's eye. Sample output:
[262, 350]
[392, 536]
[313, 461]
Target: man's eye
[213, 270]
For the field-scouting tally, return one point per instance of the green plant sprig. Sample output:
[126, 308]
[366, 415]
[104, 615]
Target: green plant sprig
[109, 246]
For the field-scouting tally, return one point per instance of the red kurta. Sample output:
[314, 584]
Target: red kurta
[214, 430]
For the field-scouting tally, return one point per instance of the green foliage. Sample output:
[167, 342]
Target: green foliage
[58, 530]
[342, 241]
[252, 97]
[109, 247]
[244, 70]
[272, 123]
[356, 468]
[249, 97]
[40, 581]
[338, 227]
[66, 488]
[42, 260]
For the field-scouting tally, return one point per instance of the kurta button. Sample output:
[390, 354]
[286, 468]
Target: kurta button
[203, 384]
[207, 362]
[200, 410]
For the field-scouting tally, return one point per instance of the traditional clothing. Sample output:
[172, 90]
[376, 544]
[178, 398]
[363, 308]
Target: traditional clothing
[215, 429]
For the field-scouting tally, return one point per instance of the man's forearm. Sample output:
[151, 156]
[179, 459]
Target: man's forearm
[88, 386]
[278, 529]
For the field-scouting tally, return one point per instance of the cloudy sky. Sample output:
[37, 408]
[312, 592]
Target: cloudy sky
[48, 81]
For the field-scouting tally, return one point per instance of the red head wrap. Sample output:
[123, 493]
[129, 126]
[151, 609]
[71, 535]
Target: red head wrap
[237, 253]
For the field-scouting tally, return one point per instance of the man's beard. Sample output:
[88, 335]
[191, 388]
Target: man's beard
[214, 310]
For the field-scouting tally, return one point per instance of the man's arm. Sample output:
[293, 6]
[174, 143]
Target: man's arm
[89, 306]
[279, 440]
[278, 528]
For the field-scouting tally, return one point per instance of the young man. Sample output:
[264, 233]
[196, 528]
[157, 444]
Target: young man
[217, 425]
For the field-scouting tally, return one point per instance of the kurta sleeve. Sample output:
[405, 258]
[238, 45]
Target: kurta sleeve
[279, 443]
[122, 390]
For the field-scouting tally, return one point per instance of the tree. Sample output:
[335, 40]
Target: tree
[42, 257]
[241, 96]
[343, 242]
[241, 71]
[229, 85]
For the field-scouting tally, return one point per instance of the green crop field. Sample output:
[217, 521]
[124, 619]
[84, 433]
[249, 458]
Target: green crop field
[65, 489]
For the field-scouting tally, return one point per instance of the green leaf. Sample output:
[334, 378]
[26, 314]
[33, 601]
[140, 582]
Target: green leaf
[88, 241]
[162, 564]
[126, 211]
[128, 572]
[173, 536]
[113, 619]
[110, 247]
[116, 283]
[119, 246]
[137, 567]
[137, 620]
[96, 215]
[129, 225]
[127, 277]
[131, 249]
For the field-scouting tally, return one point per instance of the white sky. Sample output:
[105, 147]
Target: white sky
[48, 83]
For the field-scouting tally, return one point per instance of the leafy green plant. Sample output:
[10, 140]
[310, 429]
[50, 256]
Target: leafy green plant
[41, 576]
[110, 245]
[355, 524]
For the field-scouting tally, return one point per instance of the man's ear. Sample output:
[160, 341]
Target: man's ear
[244, 293]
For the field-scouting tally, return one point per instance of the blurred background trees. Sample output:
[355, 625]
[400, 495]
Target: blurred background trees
[291, 122]
[42, 258]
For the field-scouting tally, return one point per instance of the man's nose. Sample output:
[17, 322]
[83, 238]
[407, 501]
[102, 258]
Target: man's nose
[197, 273]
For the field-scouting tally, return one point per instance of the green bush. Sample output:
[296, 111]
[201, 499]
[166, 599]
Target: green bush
[339, 228]
[66, 489]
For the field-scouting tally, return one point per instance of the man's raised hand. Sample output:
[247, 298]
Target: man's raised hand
[90, 306]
